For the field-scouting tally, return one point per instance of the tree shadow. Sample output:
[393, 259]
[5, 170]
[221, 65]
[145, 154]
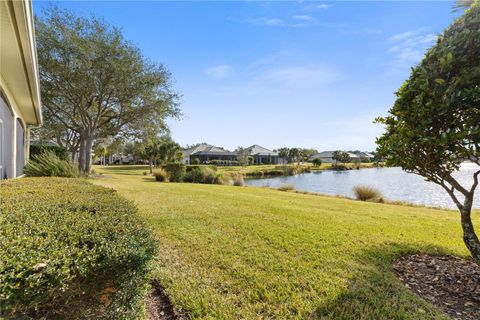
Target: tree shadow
[375, 292]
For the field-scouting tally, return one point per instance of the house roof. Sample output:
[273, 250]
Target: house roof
[18, 59]
[257, 150]
[207, 149]
[365, 155]
[329, 154]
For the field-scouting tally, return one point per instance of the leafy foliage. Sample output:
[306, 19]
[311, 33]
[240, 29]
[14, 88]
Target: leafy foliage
[317, 162]
[434, 124]
[48, 164]
[95, 84]
[70, 250]
[175, 171]
[341, 156]
[161, 175]
[38, 149]
[201, 174]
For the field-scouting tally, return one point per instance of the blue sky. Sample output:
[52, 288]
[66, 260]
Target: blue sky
[306, 74]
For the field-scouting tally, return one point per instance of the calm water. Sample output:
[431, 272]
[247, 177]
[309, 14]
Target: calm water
[394, 183]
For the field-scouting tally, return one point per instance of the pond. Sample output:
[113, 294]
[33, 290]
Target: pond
[394, 183]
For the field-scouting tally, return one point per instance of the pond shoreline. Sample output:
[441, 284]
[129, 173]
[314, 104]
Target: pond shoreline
[393, 183]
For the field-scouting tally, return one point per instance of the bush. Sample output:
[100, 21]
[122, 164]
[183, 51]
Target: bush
[161, 175]
[201, 174]
[194, 167]
[36, 149]
[317, 162]
[238, 180]
[48, 164]
[223, 179]
[339, 167]
[175, 171]
[70, 250]
[366, 193]
[286, 187]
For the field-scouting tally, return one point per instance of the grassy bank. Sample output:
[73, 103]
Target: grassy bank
[253, 253]
[249, 171]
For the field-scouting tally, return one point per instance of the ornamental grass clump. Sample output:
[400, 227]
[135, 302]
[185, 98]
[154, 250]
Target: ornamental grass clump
[366, 193]
[161, 175]
[48, 164]
[286, 187]
[70, 250]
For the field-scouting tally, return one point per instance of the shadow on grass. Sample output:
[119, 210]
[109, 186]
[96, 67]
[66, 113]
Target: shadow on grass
[375, 292]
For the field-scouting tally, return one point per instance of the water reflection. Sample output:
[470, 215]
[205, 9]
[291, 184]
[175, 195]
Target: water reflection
[394, 183]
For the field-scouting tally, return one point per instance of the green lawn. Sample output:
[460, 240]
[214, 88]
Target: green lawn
[255, 253]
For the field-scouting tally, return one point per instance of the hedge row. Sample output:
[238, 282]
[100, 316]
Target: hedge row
[70, 250]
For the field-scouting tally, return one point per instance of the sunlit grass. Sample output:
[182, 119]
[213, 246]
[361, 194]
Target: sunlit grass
[256, 253]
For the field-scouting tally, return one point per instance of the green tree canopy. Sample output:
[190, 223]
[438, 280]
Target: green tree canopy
[434, 124]
[96, 84]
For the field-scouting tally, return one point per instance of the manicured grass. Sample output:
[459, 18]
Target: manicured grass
[255, 253]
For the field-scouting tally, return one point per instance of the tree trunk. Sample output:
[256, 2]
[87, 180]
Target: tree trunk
[88, 155]
[469, 236]
[150, 165]
[81, 155]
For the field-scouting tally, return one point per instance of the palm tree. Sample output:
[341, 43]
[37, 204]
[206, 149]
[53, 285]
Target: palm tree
[283, 153]
[294, 153]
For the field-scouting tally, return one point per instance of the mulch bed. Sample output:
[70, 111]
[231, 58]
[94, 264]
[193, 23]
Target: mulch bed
[448, 282]
[158, 305]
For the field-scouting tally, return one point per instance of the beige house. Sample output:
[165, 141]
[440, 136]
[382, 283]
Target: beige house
[20, 107]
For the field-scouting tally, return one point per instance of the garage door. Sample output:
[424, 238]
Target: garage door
[6, 140]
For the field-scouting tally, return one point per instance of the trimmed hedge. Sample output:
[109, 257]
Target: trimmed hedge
[70, 250]
[36, 149]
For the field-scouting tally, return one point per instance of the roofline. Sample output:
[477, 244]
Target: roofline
[21, 13]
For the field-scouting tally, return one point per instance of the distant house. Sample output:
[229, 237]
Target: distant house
[20, 107]
[365, 156]
[327, 157]
[262, 155]
[206, 153]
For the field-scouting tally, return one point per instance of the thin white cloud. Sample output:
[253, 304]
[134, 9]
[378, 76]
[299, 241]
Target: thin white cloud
[272, 22]
[296, 21]
[304, 17]
[220, 71]
[295, 77]
[409, 47]
[324, 6]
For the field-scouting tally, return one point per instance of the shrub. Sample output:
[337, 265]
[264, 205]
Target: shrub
[223, 179]
[317, 162]
[175, 171]
[201, 174]
[196, 161]
[366, 193]
[286, 187]
[194, 167]
[160, 175]
[36, 149]
[238, 180]
[70, 250]
[339, 167]
[48, 164]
